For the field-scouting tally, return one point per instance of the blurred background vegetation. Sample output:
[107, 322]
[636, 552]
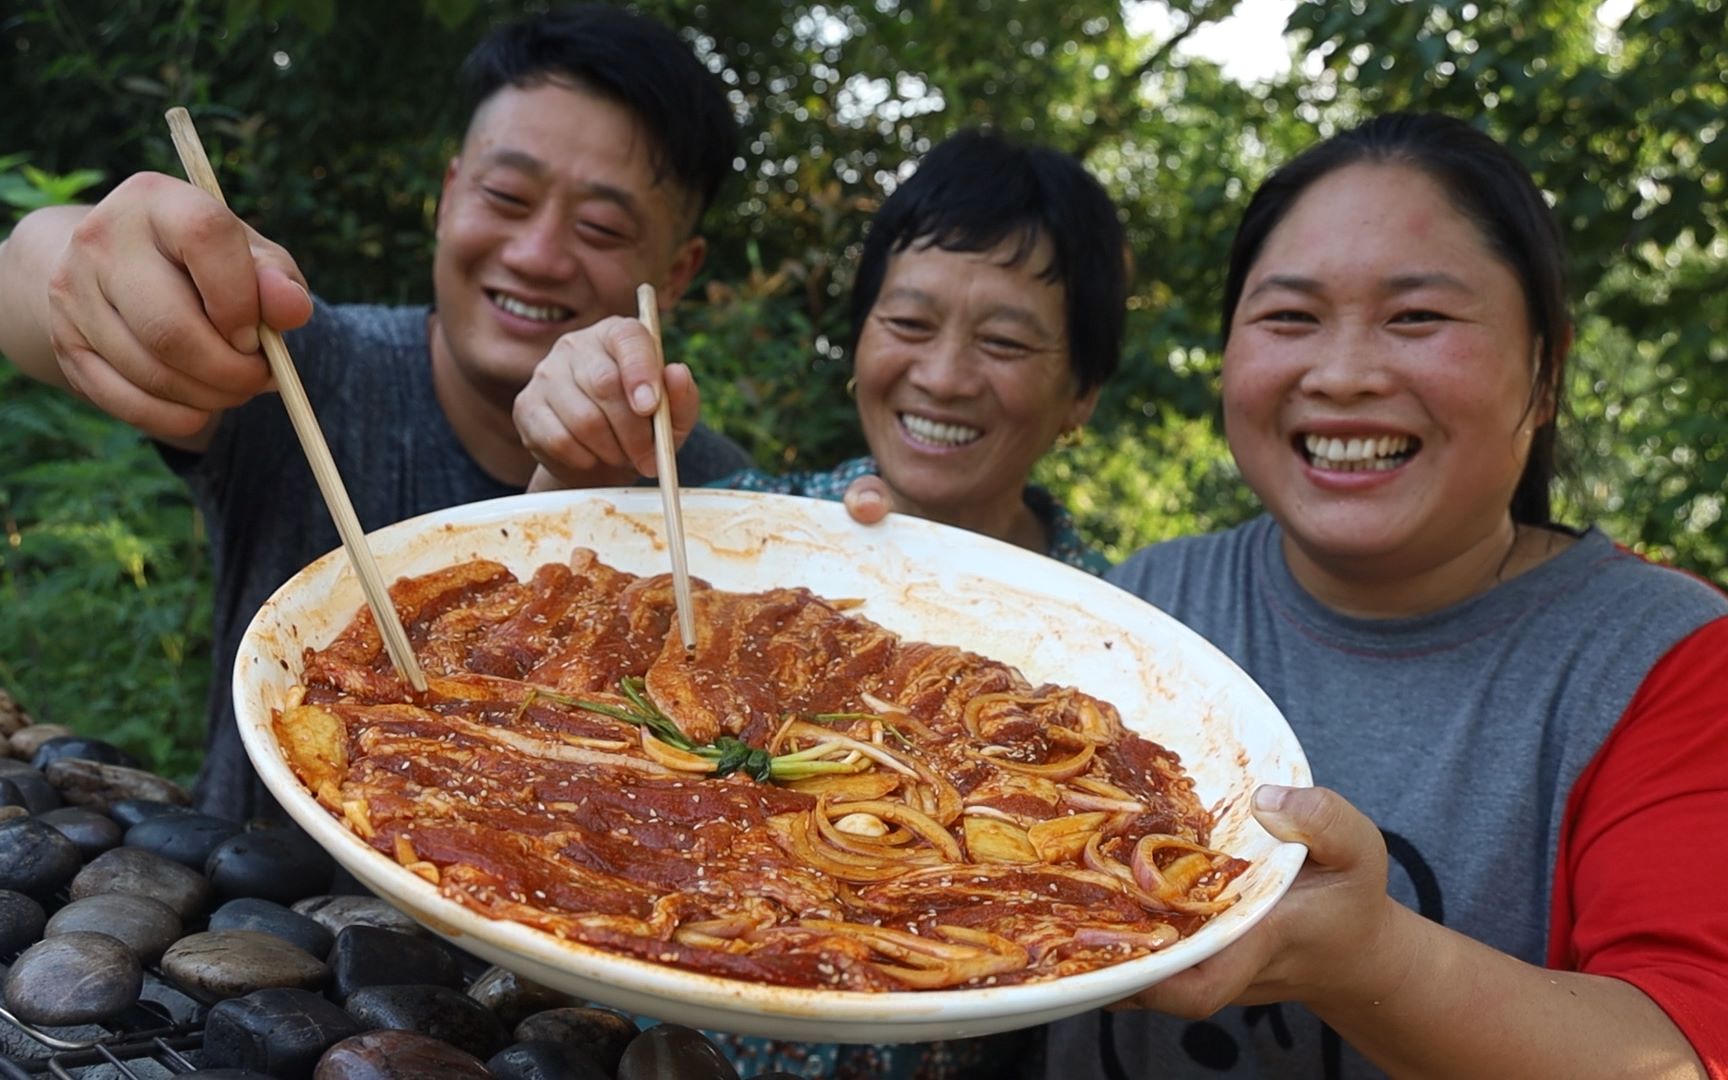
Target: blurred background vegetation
[331, 125]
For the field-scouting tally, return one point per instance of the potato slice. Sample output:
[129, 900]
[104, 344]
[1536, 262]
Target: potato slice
[315, 742]
[991, 840]
[1063, 839]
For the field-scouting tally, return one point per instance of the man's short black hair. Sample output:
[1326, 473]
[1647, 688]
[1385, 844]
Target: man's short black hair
[977, 190]
[632, 60]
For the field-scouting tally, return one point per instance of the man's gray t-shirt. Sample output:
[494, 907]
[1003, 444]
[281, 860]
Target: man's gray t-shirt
[1460, 733]
[367, 372]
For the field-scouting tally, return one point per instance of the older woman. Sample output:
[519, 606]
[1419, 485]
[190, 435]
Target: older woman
[985, 317]
[988, 311]
[1530, 724]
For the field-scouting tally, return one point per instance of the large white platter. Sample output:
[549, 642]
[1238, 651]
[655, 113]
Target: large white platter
[926, 582]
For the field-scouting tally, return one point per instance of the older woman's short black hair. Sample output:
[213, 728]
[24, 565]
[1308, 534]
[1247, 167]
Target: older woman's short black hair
[976, 191]
[629, 59]
[1491, 188]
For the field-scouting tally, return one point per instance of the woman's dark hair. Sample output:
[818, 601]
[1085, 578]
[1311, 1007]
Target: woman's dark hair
[631, 60]
[977, 190]
[1489, 186]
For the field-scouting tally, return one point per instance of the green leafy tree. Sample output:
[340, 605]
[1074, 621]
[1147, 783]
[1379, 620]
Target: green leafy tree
[104, 591]
[331, 125]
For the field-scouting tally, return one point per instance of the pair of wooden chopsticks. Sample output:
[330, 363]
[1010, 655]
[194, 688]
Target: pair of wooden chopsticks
[666, 466]
[198, 170]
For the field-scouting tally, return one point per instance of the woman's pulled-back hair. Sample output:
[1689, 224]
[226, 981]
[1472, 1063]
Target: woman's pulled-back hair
[975, 191]
[1491, 188]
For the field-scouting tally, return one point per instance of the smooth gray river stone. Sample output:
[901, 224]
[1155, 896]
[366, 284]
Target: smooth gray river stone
[26, 740]
[188, 839]
[282, 1032]
[602, 1034]
[22, 921]
[218, 964]
[77, 746]
[35, 859]
[269, 917]
[340, 912]
[75, 978]
[29, 788]
[99, 785]
[398, 1055]
[370, 956]
[143, 924]
[438, 1011]
[674, 1052]
[144, 873]
[281, 864]
[513, 998]
[129, 812]
[544, 1060]
[91, 832]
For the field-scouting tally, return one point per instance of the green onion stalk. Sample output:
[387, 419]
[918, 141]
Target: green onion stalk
[728, 753]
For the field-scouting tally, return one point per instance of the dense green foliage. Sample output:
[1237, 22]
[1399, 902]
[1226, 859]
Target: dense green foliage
[330, 130]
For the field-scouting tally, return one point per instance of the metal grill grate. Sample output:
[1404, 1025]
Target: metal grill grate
[149, 1041]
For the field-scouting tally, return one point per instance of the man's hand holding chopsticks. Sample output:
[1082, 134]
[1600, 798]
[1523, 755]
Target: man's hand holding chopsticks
[587, 413]
[147, 304]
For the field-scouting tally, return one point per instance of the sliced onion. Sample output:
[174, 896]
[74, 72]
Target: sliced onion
[899, 714]
[358, 814]
[823, 736]
[1099, 786]
[1061, 769]
[946, 803]
[672, 757]
[923, 824]
[1121, 876]
[696, 939]
[551, 751]
[992, 841]
[780, 734]
[1060, 734]
[728, 926]
[1157, 938]
[927, 964]
[1080, 800]
[881, 705]
[1174, 890]
[796, 835]
[1095, 859]
[886, 846]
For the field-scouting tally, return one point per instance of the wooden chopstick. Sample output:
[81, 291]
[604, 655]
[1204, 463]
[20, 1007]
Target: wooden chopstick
[666, 465]
[198, 170]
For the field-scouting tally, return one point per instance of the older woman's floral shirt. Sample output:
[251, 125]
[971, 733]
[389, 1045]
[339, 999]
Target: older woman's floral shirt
[1065, 542]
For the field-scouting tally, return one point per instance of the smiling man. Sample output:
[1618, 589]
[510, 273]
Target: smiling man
[596, 142]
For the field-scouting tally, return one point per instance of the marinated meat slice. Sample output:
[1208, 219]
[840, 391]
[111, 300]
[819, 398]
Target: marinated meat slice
[728, 681]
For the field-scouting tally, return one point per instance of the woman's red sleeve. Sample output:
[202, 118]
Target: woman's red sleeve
[1641, 883]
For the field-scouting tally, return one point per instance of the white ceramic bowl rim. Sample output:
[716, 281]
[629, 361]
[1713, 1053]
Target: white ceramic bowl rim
[926, 582]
